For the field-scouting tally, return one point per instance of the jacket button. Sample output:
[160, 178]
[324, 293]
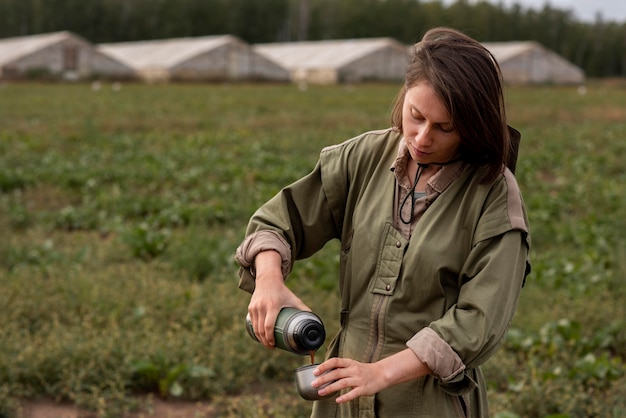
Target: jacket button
[398, 244]
[388, 287]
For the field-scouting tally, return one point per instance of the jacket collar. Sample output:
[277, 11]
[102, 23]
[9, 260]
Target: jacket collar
[436, 184]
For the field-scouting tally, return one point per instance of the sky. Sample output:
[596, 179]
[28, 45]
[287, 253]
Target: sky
[584, 10]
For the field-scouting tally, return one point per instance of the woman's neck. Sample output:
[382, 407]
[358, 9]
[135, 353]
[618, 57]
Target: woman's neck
[428, 171]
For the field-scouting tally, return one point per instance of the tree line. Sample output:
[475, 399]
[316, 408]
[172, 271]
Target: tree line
[598, 47]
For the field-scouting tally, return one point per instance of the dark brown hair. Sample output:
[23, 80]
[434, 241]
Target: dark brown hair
[468, 80]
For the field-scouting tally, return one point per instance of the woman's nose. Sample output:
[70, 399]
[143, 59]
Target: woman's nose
[423, 137]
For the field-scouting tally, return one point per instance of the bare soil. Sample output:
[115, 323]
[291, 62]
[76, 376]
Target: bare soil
[151, 408]
[261, 398]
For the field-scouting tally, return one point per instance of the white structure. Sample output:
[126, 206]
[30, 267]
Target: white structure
[58, 55]
[531, 63]
[339, 61]
[205, 58]
[63, 55]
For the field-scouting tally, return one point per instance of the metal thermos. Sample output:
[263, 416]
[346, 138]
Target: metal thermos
[299, 332]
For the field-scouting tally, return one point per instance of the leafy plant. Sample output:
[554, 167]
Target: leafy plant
[166, 378]
[145, 241]
[13, 257]
[560, 356]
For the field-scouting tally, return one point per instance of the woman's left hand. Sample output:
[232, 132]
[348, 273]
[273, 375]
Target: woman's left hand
[363, 379]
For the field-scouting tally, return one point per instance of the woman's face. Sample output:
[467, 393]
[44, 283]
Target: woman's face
[427, 126]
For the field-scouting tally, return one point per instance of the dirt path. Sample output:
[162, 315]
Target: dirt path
[258, 399]
[152, 408]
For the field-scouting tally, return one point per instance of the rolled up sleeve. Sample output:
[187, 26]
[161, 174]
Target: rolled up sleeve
[254, 244]
[433, 351]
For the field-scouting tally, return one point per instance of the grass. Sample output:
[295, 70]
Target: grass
[121, 211]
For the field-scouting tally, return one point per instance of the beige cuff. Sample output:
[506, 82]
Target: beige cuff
[263, 241]
[437, 354]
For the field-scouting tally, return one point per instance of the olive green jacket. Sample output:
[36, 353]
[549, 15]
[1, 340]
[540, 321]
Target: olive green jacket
[458, 277]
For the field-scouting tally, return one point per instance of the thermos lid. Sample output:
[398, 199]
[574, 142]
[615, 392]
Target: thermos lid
[309, 334]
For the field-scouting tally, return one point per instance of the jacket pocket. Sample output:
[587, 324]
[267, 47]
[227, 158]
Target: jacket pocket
[335, 346]
[389, 262]
[347, 244]
[461, 405]
[343, 321]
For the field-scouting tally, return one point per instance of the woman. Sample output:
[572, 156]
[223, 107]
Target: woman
[434, 242]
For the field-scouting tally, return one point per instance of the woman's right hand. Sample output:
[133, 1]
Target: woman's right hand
[269, 297]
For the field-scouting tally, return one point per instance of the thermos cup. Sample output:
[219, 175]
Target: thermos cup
[299, 332]
[304, 377]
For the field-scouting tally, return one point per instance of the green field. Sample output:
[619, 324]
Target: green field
[120, 210]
